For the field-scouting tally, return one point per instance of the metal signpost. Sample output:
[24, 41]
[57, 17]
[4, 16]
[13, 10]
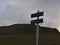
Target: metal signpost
[37, 22]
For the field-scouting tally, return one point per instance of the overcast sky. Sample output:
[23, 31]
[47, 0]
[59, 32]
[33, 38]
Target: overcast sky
[19, 11]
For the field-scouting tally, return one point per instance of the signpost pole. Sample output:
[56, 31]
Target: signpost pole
[37, 33]
[37, 22]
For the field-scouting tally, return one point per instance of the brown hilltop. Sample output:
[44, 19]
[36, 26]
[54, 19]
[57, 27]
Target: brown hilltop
[25, 29]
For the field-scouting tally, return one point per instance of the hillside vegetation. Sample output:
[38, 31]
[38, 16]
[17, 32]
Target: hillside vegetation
[25, 34]
[25, 29]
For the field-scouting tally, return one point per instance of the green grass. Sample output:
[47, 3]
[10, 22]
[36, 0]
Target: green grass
[29, 39]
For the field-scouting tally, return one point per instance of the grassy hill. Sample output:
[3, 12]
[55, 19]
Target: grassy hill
[25, 29]
[24, 34]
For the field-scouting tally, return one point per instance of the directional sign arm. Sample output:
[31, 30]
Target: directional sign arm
[37, 14]
[37, 21]
[32, 22]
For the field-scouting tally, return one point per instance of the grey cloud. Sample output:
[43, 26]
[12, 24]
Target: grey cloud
[19, 11]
